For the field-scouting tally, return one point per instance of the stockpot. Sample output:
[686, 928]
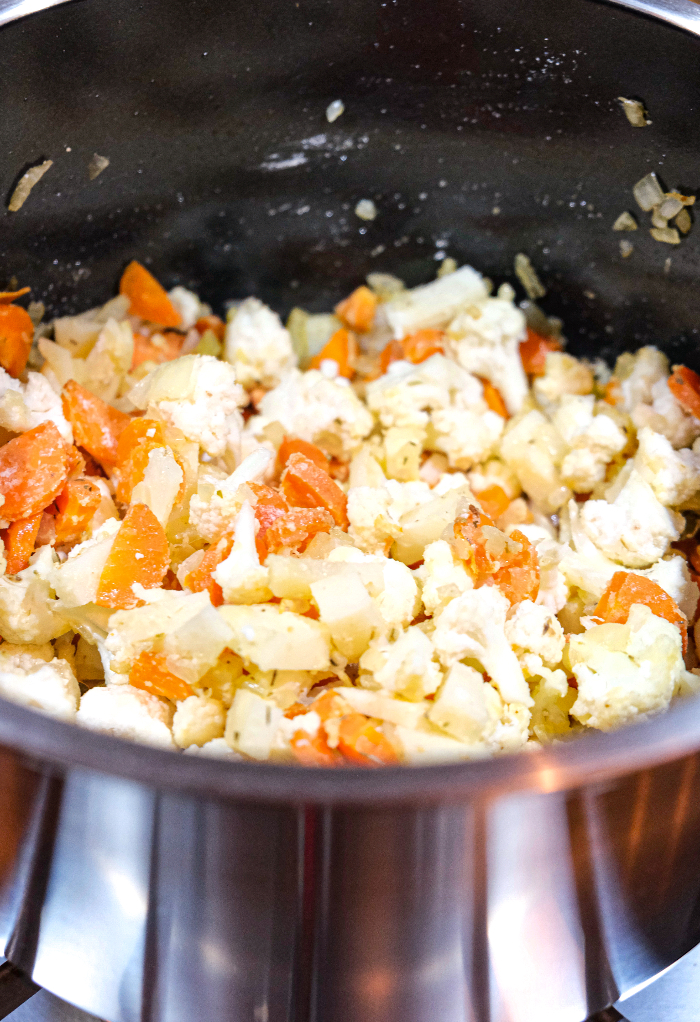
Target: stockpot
[145, 886]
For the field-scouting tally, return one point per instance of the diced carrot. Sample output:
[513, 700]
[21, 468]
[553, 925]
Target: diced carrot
[393, 352]
[534, 351]
[97, 426]
[76, 462]
[421, 345]
[16, 333]
[292, 445]
[341, 349]
[358, 309]
[140, 428]
[202, 578]
[519, 578]
[363, 744]
[471, 542]
[613, 391]
[270, 505]
[33, 471]
[314, 750]
[139, 554]
[150, 674]
[625, 589]
[304, 484]
[684, 384]
[158, 348]
[295, 528]
[295, 709]
[328, 705]
[46, 536]
[134, 469]
[76, 505]
[494, 500]
[148, 298]
[213, 323]
[493, 399]
[9, 296]
[19, 542]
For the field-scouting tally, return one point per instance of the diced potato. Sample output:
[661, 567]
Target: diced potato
[251, 724]
[291, 578]
[424, 747]
[533, 449]
[466, 706]
[384, 707]
[346, 607]
[426, 523]
[277, 641]
[403, 447]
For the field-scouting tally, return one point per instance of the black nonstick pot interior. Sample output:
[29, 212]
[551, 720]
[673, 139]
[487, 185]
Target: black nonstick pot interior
[478, 129]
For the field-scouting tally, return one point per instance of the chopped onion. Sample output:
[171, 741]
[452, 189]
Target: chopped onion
[96, 165]
[669, 235]
[635, 112]
[648, 192]
[447, 266]
[685, 200]
[365, 209]
[626, 248]
[525, 272]
[657, 219]
[385, 285]
[26, 183]
[670, 207]
[625, 222]
[683, 221]
[334, 110]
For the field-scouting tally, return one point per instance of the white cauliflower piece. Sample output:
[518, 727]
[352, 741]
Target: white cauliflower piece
[671, 573]
[240, 575]
[213, 509]
[27, 612]
[674, 476]
[666, 416]
[277, 640]
[252, 723]
[198, 395]
[533, 628]
[635, 529]
[443, 576]
[473, 625]
[533, 449]
[314, 408]
[406, 666]
[258, 345]
[76, 579]
[160, 484]
[434, 304]
[29, 679]
[187, 303]
[624, 671]
[466, 706]
[375, 512]
[217, 748]
[198, 720]
[639, 374]
[465, 435]
[595, 441]
[486, 337]
[26, 405]
[407, 393]
[563, 374]
[127, 712]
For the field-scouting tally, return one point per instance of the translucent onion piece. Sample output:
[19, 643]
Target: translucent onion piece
[657, 219]
[670, 207]
[683, 221]
[626, 248]
[26, 183]
[625, 222]
[334, 110]
[96, 165]
[685, 200]
[648, 192]
[669, 235]
[635, 112]
[365, 209]
[525, 272]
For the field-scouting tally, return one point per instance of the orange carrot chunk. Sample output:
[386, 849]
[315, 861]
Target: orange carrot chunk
[213, 323]
[494, 500]
[358, 309]
[613, 391]
[684, 384]
[625, 588]
[19, 542]
[139, 554]
[96, 425]
[363, 744]
[421, 345]
[292, 445]
[519, 578]
[33, 471]
[314, 750]
[16, 333]
[148, 298]
[341, 349]
[493, 399]
[534, 351]
[202, 578]
[151, 674]
[295, 528]
[393, 352]
[304, 484]
[76, 505]
[159, 348]
[9, 296]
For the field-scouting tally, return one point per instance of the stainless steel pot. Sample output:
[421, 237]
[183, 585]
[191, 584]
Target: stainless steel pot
[141, 885]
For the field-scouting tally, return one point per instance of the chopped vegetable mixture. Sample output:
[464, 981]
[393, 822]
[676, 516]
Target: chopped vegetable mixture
[410, 530]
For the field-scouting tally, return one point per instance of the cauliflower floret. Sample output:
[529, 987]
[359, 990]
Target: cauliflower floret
[198, 395]
[595, 441]
[187, 303]
[198, 720]
[533, 449]
[563, 374]
[375, 512]
[443, 576]
[241, 576]
[635, 529]
[27, 678]
[486, 338]
[672, 574]
[533, 628]
[473, 625]
[314, 408]
[466, 436]
[638, 373]
[406, 667]
[258, 345]
[24, 406]
[27, 612]
[434, 304]
[674, 476]
[623, 671]
[252, 723]
[405, 395]
[666, 416]
[127, 712]
[213, 509]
